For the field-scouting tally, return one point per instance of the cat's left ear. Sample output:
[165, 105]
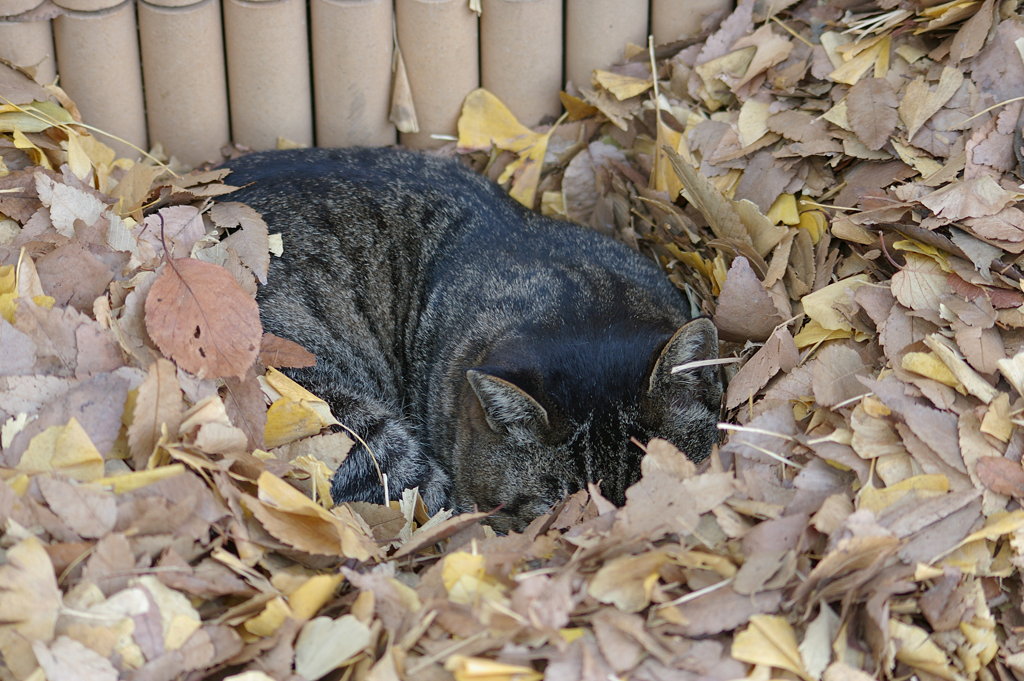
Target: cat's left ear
[695, 340]
[505, 404]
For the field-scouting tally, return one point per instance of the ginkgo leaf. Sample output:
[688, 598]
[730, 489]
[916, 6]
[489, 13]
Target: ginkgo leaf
[623, 87]
[481, 669]
[325, 644]
[770, 640]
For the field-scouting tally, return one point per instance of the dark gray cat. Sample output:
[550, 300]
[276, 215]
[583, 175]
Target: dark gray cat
[490, 356]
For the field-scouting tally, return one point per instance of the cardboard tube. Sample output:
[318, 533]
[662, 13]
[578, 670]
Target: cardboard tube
[186, 87]
[521, 55]
[268, 72]
[596, 32]
[9, 9]
[29, 44]
[675, 19]
[352, 46]
[439, 42]
[98, 62]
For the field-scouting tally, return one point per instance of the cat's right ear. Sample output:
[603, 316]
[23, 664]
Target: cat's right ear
[506, 405]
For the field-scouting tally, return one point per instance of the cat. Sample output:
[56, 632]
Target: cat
[492, 357]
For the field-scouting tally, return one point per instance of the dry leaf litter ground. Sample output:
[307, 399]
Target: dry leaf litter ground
[851, 217]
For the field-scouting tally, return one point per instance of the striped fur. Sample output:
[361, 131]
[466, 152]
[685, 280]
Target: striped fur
[489, 355]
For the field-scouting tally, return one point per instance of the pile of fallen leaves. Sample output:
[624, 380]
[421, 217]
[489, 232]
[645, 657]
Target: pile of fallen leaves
[851, 217]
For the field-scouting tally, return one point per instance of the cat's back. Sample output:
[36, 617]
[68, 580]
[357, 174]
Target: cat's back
[385, 185]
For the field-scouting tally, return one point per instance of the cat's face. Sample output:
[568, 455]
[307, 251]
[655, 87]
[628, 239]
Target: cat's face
[526, 458]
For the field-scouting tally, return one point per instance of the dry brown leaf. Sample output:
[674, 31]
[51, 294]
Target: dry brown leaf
[199, 317]
[779, 353]
[871, 110]
[282, 353]
[158, 405]
[1001, 476]
[745, 309]
[249, 240]
[920, 283]
[296, 520]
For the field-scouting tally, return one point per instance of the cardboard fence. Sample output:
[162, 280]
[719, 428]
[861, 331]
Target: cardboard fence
[194, 76]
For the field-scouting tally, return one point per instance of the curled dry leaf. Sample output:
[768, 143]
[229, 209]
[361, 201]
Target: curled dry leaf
[281, 353]
[200, 317]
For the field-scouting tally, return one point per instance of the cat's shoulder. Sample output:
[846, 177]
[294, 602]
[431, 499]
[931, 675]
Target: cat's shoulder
[358, 166]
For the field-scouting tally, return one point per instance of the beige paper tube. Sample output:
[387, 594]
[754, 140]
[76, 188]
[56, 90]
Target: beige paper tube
[439, 42]
[596, 33]
[521, 55]
[186, 87]
[29, 44]
[675, 19]
[9, 9]
[268, 72]
[98, 62]
[352, 46]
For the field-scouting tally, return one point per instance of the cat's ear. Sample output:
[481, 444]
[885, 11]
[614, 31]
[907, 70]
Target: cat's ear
[685, 404]
[505, 404]
[695, 340]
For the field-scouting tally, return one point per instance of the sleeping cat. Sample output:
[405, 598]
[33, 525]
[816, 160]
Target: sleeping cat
[492, 357]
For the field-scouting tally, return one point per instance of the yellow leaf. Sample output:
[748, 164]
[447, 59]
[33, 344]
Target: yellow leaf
[179, 619]
[752, 123]
[314, 593]
[571, 634]
[289, 421]
[814, 333]
[996, 421]
[628, 581]
[320, 474]
[65, 449]
[852, 70]
[814, 222]
[35, 153]
[912, 246]
[481, 669]
[128, 482]
[270, 619]
[927, 364]
[783, 210]
[878, 499]
[623, 87]
[467, 582]
[769, 640]
[997, 525]
[664, 177]
[297, 520]
[287, 388]
[34, 117]
[924, 164]
[29, 604]
[295, 412]
[485, 121]
[78, 160]
[701, 560]
[915, 649]
[821, 305]
[576, 107]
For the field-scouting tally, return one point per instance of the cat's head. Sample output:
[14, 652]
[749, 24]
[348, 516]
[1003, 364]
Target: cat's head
[524, 447]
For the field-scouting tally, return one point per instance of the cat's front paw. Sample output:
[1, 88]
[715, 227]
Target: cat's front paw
[388, 455]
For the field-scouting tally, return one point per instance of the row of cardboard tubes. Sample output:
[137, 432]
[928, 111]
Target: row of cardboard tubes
[196, 75]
